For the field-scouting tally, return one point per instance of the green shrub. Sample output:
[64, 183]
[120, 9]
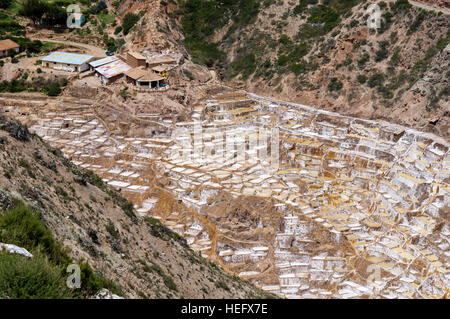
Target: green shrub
[159, 230]
[383, 52]
[386, 22]
[188, 74]
[202, 18]
[116, 4]
[361, 78]
[25, 278]
[124, 92]
[385, 92]
[245, 64]
[168, 281]
[129, 21]
[222, 284]
[335, 85]
[117, 30]
[417, 22]
[395, 57]
[353, 23]
[324, 15]
[285, 40]
[53, 90]
[302, 5]
[376, 79]
[400, 5]
[23, 227]
[362, 62]
[43, 275]
[111, 229]
[91, 282]
[4, 4]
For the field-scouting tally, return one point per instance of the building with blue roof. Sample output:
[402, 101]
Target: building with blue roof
[66, 61]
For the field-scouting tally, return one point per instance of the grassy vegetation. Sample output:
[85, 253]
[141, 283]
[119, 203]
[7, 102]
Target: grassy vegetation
[159, 230]
[23, 227]
[14, 6]
[383, 52]
[9, 25]
[202, 18]
[129, 21]
[335, 85]
[421, 66]
[324, 17]
[106, 18]
[244, 65]
[51, 87]
[43, 275]
[361, 78]
[300, 8]
[36, 278]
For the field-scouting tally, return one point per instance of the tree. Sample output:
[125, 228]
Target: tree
[12, 53]
[33, 9]
[129, 21]
[4, 4]
[53, 90]
[335, 85]
[56, 15]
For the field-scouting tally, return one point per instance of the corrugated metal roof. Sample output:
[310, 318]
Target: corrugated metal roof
[113, 68]
[103, 61]
[68, 58]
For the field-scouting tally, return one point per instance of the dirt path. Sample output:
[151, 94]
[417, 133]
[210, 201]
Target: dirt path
[426, 7]
[90, 49]
[430, 8]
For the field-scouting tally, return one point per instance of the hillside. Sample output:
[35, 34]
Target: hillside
[310, 52]
[321, 53]
[346, 190]
[131, 256]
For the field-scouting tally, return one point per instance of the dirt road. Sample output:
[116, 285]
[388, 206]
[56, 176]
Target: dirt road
[430, 8]
[90, 49]
[426, 7]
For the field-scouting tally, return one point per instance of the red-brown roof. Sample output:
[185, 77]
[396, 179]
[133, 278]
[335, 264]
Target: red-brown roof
[135, 73]
[8, 44]
[143, 75]
[136, 55]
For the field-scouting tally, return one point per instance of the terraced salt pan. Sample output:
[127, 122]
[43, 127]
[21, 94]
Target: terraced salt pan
[380, 186]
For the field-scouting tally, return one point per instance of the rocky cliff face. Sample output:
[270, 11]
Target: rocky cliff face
[322, 53]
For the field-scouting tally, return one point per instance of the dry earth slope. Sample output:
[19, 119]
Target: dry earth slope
[322, 53]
